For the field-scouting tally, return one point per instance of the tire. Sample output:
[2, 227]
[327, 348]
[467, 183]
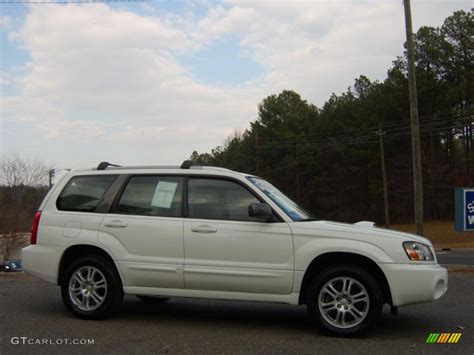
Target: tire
[338, 311]
[94, 278]
[152, 300]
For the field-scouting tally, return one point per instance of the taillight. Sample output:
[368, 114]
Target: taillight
[34, 227]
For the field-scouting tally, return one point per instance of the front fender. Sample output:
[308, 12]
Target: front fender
[309, 248]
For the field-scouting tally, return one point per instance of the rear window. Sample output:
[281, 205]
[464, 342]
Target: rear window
[83, 193]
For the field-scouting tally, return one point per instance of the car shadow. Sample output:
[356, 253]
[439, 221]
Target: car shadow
[237, 315]
[241, 314]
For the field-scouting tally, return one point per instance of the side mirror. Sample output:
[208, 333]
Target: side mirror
[261, 210]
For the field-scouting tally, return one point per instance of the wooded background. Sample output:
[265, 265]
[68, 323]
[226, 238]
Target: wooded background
[23, 185]
[329, 158]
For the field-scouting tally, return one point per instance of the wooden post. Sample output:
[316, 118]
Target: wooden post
[51, 176]
[257, 155]
[380, 133]
[415, 128]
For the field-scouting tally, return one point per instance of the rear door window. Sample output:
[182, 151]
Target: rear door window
[152, 196]
[83, 193]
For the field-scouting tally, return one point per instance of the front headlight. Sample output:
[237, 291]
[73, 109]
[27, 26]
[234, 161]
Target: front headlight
[418, 251]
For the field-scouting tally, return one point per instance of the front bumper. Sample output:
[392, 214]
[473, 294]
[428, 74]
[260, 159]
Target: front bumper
[415, 283]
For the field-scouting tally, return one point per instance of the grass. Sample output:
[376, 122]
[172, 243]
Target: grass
[441, 234]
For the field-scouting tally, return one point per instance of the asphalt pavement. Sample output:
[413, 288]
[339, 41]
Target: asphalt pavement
[31, 311]
[456, 257]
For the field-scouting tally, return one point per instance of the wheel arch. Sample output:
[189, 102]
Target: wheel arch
[78, 250]
[325, 260]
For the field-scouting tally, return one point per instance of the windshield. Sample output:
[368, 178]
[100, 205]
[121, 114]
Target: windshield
[290, 207]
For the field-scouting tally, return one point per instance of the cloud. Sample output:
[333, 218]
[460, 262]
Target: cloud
[103, 82]
[109, 75]
[5, 22]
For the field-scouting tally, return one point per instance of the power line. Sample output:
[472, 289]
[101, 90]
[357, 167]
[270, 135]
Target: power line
[388, 125]
[323, 147]
[67, 1]
[365, 133]
[427, 120]
[440, 125]
[372, 138]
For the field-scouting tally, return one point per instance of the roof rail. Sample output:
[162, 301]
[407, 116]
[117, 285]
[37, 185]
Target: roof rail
[105, 164]
[187, 164]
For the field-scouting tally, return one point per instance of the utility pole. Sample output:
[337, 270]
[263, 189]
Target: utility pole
[415, 128]
[51, 176]
[380, 133]
[257, 155]
[297, 172]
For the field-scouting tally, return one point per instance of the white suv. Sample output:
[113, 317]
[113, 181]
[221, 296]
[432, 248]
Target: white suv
[195, 231]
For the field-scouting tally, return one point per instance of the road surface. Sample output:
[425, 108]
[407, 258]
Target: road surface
[32, 308]
[456, 257]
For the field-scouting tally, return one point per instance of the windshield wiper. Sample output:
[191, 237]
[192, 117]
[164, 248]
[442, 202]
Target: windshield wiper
[307, 219]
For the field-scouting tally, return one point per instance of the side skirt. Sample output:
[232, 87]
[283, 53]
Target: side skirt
[291, 298]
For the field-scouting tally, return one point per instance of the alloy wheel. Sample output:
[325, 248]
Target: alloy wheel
[87, 288]
[343, 302]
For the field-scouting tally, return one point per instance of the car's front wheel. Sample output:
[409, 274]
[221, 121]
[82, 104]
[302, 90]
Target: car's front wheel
[345, 299]
[91, 287]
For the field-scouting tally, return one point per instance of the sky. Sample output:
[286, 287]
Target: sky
[150, 82]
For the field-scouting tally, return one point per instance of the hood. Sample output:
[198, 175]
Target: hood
[365, 228]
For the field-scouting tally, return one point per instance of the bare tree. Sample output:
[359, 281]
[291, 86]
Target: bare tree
[15, 171]
[12, 242]
[22, 187]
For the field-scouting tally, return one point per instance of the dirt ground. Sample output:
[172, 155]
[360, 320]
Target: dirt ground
[441, 234]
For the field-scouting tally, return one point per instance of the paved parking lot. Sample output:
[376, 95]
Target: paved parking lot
[456, 257]
[32, 308]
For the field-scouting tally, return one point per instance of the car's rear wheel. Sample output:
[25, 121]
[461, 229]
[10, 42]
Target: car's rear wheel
[91, 287]
[345, 299]
[152, 300]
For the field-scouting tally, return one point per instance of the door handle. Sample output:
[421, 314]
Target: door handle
[115, 224]
[203, 229]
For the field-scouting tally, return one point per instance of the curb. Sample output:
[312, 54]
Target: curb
[453, 249]
[438, 250]
[11, 273]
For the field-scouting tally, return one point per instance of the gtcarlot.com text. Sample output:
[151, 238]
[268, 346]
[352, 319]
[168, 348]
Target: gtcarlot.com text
[49, 341]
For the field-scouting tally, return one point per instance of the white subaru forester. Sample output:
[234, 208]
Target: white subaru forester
[196, 231]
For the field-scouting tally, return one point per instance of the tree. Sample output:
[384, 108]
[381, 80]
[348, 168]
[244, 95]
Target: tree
[328, 158]
[458, 30]
[23, 186]
[15, 171]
